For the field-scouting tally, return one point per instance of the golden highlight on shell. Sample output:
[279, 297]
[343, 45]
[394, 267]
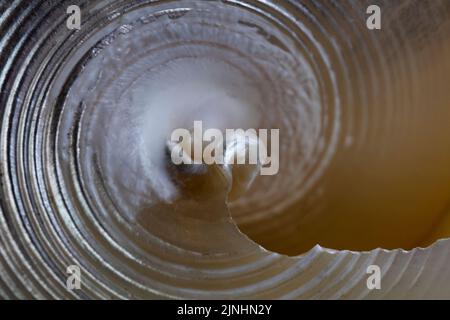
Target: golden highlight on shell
[86, 179]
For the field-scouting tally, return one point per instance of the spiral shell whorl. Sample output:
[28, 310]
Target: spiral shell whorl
[56, 207]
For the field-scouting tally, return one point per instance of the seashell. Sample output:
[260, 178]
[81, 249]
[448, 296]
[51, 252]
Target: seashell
[86, 178]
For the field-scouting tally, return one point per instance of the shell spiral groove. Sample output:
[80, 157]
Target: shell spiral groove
[84, 113]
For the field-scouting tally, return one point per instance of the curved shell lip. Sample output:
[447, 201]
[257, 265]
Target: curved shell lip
[319, 248]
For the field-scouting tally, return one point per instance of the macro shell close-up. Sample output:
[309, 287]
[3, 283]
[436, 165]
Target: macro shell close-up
[346, 101]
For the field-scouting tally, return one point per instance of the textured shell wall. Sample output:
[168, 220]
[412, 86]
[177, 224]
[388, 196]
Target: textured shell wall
[364, 149]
